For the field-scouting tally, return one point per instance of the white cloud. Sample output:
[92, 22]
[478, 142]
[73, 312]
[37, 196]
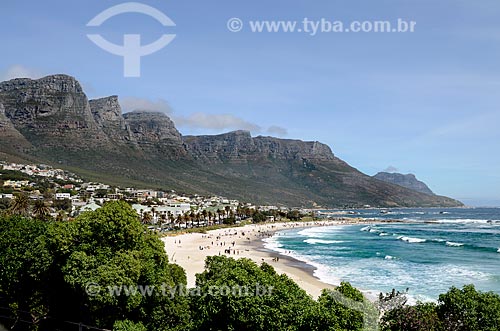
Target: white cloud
[391, 169]
[216, 122]
[277, 130]
[199, 120]
[131, 103]
[20, 71]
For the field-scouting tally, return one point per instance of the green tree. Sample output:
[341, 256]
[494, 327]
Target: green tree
[101, 193]
[63, 204]
[421, 317]
[240, 295]
[25, 269]
[258, 217]
[469, 309]
[344, 308]
[127, 325]
[4, 204]
[46, 269]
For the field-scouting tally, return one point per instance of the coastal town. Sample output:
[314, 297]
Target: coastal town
[62, 195]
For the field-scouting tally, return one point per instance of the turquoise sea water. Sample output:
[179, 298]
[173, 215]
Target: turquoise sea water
[436, 250]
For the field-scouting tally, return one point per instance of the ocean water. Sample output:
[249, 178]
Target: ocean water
[437, 249]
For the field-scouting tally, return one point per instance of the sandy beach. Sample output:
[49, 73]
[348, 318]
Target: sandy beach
[190, 250]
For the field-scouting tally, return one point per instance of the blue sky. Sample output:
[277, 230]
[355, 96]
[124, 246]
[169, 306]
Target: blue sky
[425, 102]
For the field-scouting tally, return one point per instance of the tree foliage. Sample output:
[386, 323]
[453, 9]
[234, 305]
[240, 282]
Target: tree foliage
[457, 310]
[267, 301]
[469, 309]
[421, 317]
[344, 308]
[48, 266]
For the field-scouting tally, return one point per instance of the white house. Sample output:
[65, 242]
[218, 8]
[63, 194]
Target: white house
[62, 196]
[91, 206]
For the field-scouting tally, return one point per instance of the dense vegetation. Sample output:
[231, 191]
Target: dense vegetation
[55, 275]
[463, 309]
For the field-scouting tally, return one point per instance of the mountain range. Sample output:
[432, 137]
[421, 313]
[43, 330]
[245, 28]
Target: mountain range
[51, 120]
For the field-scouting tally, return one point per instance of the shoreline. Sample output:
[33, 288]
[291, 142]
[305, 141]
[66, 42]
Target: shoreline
[189, 250]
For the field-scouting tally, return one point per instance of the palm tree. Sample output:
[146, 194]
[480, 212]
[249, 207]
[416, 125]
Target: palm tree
[147, 218]
[219, 213]
[210, 217]
[48, 194]
[163, 218]
[153, 211]
[20, 205]
[192, 215]
[170, 217]
[227, 209]
[41, 210]
[187, 219]
[180, 218]
[239, 210]
[198, 219]
[204, 213]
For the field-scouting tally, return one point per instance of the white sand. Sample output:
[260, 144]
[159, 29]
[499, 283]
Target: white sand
[185, 250]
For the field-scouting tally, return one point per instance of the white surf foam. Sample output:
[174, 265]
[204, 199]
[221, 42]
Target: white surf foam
[453, 244]
[319, 232]
[273, 244]
[463, 221]
[321, 241]
[412, 240]
[323, 272]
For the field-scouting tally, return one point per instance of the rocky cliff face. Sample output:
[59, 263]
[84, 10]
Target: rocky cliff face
[409, 181]
[51, 120]
[239, 146]
[293, 149]
[232, 146]
[107, 114]
[11, 138]
[155, 133]
[51, 112]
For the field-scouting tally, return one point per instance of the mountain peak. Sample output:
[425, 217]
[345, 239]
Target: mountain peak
[143, 113]
[405, 180]
[240, 133]
[58, 83]
[148, 126]
[106, 109]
